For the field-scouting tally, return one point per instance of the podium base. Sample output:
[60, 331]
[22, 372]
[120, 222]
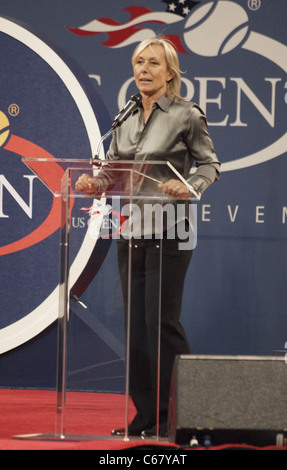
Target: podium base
[69, 437]
[85, 437]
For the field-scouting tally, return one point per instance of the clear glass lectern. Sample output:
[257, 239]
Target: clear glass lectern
[132, 207]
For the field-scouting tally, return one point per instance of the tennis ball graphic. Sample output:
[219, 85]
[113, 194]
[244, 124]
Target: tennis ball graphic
[216, 28]
[4, 131]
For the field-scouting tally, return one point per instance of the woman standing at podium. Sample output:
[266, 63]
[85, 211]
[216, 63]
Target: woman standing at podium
[163, 128]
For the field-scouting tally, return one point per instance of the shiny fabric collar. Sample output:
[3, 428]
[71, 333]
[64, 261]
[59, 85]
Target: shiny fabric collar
[164, 103]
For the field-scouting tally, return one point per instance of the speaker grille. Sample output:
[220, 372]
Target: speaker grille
[228, 398]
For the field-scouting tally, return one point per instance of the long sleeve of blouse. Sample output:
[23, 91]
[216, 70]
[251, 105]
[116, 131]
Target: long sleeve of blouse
[176, 131]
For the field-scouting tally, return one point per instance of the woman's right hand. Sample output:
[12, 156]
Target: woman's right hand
[87, 184]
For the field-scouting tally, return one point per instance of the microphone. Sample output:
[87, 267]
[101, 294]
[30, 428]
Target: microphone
[133, 103]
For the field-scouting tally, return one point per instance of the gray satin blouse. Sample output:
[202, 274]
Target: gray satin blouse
[176, 131]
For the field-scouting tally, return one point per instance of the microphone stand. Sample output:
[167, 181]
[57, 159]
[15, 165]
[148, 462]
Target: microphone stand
[102, 140]
[122, 115]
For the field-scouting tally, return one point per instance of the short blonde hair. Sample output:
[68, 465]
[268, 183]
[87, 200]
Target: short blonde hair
[173, 86]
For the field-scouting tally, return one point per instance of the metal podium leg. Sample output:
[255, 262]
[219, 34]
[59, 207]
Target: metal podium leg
[63, 316]
[159, 339]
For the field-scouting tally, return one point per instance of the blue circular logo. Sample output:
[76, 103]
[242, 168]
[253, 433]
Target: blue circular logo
[48, 109]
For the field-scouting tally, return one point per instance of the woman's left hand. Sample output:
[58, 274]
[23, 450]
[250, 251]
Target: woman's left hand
[175, 188]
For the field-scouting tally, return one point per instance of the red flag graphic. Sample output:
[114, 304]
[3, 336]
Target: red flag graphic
[124, 34]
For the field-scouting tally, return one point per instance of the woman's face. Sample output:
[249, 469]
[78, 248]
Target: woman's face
[151, 72]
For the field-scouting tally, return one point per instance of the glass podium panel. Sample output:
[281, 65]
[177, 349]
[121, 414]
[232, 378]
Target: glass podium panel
[97, 300]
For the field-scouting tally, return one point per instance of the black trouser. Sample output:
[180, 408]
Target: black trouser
[144, 319]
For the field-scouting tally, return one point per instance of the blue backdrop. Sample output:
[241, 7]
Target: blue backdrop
[65, 72]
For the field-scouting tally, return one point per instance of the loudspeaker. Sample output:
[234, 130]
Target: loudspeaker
[228, 399]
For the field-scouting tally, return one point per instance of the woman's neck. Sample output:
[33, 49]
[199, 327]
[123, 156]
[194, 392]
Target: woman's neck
[147, 104]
